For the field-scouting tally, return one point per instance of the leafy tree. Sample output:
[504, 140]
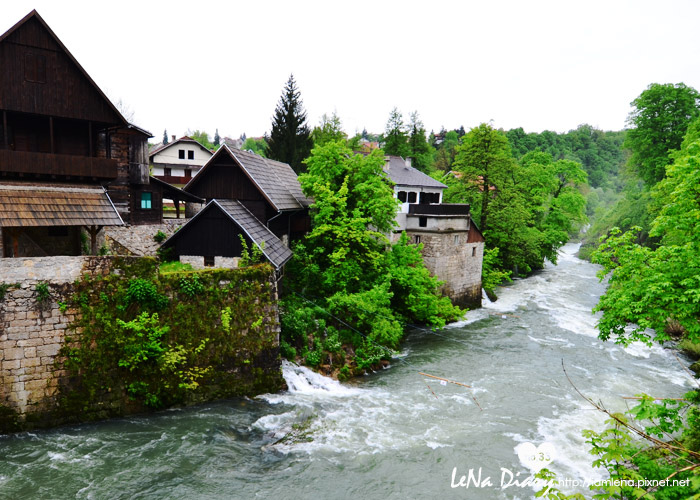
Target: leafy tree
[201, 137]
[346, 284]
[256, 145]
[290, 138]
[418, 147]
[217, 138]
[396, 137]
[659, 121]
[165, 136]
[446, 150]
[330, 129]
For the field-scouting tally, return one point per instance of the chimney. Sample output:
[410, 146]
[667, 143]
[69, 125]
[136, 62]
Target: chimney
[408, 162]
[387, 161]
[174, 139]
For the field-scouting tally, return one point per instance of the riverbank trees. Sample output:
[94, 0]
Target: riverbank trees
[349, 292]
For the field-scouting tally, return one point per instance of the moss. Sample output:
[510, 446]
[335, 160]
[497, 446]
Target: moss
[135, 353]
[9, 421]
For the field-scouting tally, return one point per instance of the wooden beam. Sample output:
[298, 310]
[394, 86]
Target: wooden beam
[4, 129]
[51, 134]
[90, 139]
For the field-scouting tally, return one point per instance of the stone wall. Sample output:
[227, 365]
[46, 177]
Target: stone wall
[138, 240]
[39, 316]
[448, 256]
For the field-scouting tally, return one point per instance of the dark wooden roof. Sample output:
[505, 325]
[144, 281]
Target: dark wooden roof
[56, 84]
[31, 205]
[272, 247]
[275, 180]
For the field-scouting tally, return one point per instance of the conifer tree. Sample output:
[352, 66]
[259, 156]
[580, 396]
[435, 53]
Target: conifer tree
[290, 140]
[165, 136]
[396, 138]
[217, 138]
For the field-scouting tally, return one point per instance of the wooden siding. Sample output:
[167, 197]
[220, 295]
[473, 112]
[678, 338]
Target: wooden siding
[213, 234]
[45, 164]
[39, 77]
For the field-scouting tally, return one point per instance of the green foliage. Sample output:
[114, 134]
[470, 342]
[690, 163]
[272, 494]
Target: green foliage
[133, 340]
[418, 147]
[252, 256]
[290, 138]
[396, 135]
[329, 130]
[659, 122]
[350, 291]
[256, 145]
[217, 138]
[42, 292]
[174, 266]
[165, 136]
[160, 237]
[4, 287]
[201, 137]
[648, 287]
[491, 276]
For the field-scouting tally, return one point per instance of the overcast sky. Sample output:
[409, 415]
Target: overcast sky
[533, 64]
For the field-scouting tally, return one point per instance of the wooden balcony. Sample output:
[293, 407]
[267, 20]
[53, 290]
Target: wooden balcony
[56, 166]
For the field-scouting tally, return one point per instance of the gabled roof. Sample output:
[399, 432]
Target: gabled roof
[35, 15]
[275, 180]
[172, 192]
[273, 249]
[403, 175]
[54, 204]
[161, 147]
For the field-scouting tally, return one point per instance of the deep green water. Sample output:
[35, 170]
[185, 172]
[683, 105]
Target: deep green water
[385, 436]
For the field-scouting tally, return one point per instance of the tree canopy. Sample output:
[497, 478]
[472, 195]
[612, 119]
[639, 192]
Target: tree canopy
[396, 136]
[659, 120]
[290, 138]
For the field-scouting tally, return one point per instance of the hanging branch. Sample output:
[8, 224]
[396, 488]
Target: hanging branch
[451, 382]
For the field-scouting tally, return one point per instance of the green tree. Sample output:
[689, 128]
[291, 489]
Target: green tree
[165, 136]
[217, 138]
[396, 136]
[256, 145]
[201, 137]
[418, 147]
[446, 150]
[330, 129]
[290, 138]
[659, 121]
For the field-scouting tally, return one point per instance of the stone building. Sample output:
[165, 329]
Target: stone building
[453, 246]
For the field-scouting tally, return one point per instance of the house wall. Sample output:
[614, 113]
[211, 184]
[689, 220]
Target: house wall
[38, 390]
[403, 207]
[170, 155]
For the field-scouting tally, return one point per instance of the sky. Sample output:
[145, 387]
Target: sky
[540, 65]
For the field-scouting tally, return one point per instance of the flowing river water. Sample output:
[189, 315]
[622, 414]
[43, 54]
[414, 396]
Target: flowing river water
[391, 435]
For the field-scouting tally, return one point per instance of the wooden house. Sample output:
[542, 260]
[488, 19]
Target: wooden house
[247, 195]
[178, 161]
[60, 139]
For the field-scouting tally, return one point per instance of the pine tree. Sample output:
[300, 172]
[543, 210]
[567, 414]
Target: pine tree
[165, 136]
[419, 149]
[396, 138]
[290, 140]
[217, 138]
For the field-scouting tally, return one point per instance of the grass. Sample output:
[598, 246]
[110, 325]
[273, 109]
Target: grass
[175, 266]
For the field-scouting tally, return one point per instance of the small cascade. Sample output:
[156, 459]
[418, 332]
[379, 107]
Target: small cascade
[302, 380]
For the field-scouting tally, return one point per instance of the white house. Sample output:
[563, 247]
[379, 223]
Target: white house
[179, 160]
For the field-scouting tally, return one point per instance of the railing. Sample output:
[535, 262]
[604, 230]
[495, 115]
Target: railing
[25, 162]
[439, 209]
[174, 179]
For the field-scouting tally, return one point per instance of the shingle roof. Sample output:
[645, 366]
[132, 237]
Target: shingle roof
[276, 180]
[403, 175]
[44, 204]
[272, 247]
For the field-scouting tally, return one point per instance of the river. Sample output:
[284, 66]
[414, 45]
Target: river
[395, 434]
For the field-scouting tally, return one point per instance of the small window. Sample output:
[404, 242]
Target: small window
[181, 154]
[190, 155]
[473, 251]
[456, 239]
[422, 222]
[416, 239]
[411, 197]
[209, 261]
[146, 200]
[402, 196]
[167, 171]
[188, 173]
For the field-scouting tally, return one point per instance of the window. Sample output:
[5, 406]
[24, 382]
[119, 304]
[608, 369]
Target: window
[208, 261]
[411, 197]
[473, 251]
[456, 239]
[190, 155]
[167, 171]
[422, 222]
[188, 173]
[402, 196]
[181, 154]
[416, 239]
[146, 200]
